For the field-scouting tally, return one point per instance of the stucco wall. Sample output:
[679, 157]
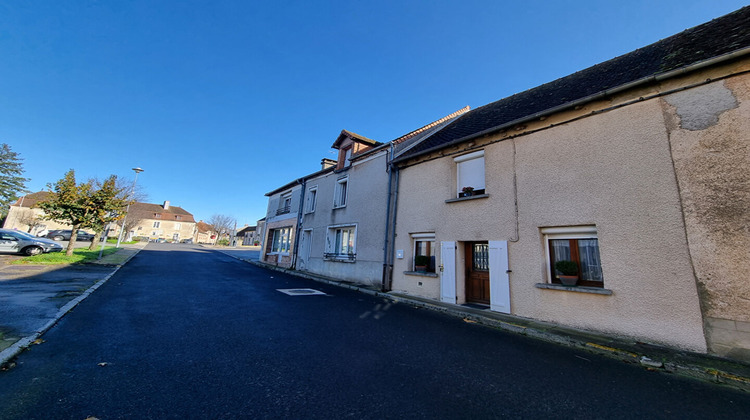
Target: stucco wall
[365, 207]
[709, 129]
[612, 170]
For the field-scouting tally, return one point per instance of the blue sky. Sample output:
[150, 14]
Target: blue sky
[222, 101]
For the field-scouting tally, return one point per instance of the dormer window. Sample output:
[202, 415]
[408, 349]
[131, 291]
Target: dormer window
[347, 157]
[157, 215]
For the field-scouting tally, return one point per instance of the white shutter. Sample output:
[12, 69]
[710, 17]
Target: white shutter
[499, 280]
[470, 171]
[448, 272]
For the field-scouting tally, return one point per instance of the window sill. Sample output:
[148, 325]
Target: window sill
[471, 197]
[339, 207]
[579, 289]
[420, 274]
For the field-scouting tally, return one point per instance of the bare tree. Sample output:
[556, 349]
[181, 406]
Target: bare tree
[31, 220]
[222, 224]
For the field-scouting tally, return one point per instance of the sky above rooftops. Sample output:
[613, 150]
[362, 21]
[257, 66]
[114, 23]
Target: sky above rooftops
[222, 101]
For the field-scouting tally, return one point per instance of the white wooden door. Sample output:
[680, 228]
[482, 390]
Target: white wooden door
[304, 249]
[499, 279]
[448, 272]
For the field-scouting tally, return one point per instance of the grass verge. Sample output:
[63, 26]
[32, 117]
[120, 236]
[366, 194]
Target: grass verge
[80, 256]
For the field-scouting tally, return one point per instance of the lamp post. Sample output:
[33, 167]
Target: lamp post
[127, 209]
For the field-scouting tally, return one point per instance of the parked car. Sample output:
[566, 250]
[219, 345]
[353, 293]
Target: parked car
[22, 243]
[64, 235]
[187, 241]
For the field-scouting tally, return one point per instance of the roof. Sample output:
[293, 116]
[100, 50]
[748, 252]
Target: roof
[203, 227]
[299, 181]
[246, 229]
[148, 210]
[354, 136]
[29, 200]
[720, 37]
[405, 141]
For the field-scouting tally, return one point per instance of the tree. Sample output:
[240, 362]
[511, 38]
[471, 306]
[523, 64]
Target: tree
[31, 220]
[221, 224]
[11, 181]
[87, 205]
[109, 202]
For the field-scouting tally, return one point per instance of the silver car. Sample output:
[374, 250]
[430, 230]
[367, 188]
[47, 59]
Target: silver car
[23, 243]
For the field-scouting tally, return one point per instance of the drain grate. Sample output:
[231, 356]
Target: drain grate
[301, 292]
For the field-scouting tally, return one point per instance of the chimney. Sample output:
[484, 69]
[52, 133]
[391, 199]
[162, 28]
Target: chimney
[326, 163]
[166, 205]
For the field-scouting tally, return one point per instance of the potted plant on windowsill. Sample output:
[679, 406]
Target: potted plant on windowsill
[421, 262]
[569, 270]
[467, 191]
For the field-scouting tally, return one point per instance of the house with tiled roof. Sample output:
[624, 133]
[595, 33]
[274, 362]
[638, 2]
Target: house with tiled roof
[333, 222]
[614, 199]
[158, 221]
[24, 215]
[204, 233]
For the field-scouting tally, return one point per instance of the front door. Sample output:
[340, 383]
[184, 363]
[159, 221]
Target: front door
[478, 272]
[304, 249]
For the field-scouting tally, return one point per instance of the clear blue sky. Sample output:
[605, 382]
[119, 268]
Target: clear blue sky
[223, 101]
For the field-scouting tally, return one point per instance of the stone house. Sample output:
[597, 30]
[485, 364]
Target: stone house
[344, 217]
[158, 221]
[635, 169]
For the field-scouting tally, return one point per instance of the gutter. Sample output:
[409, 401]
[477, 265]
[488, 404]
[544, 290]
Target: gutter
[387, 249]
[303, 183]
[608, 92]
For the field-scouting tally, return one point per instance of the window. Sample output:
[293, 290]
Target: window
[281, 240]
[178, 217]
[177, 226]
[578, 244]
[341, 243]
[157, 224]
[339, 195]
[312, 198]
[347, 157]
[157, 215]
[285, 203]
[424, 252]
[470, 173]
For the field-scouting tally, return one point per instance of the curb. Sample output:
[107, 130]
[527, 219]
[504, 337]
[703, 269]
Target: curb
[7, 355]
[699, 367]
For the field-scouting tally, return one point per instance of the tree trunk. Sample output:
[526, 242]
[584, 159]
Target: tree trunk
[95, 241]
[72, 242]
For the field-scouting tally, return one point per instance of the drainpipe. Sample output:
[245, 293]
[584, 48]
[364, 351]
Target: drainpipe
[390, 223]
[302, 182]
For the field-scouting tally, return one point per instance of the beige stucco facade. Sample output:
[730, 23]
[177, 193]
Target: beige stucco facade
[710, 139]
[668, 205]
[18, 217]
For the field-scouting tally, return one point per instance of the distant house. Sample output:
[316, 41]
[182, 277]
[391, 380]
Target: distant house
[247, 235]
[204, 233]
[635, 170]
[158, 221]
[26, 216]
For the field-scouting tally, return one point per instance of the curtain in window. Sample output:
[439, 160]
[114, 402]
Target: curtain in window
[591, 266]
[560, 250]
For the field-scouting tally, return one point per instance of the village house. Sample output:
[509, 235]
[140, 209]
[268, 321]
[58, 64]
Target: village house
[635, 170]
[157, 221]
[344, 219]
[25, 216]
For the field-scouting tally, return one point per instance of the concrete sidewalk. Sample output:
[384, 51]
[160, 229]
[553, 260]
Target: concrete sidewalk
[34, 297]
[652, 357]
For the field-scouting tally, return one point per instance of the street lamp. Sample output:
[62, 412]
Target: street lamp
[125, 219]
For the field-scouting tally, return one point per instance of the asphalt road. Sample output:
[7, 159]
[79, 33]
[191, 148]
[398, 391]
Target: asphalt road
[184, 332]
